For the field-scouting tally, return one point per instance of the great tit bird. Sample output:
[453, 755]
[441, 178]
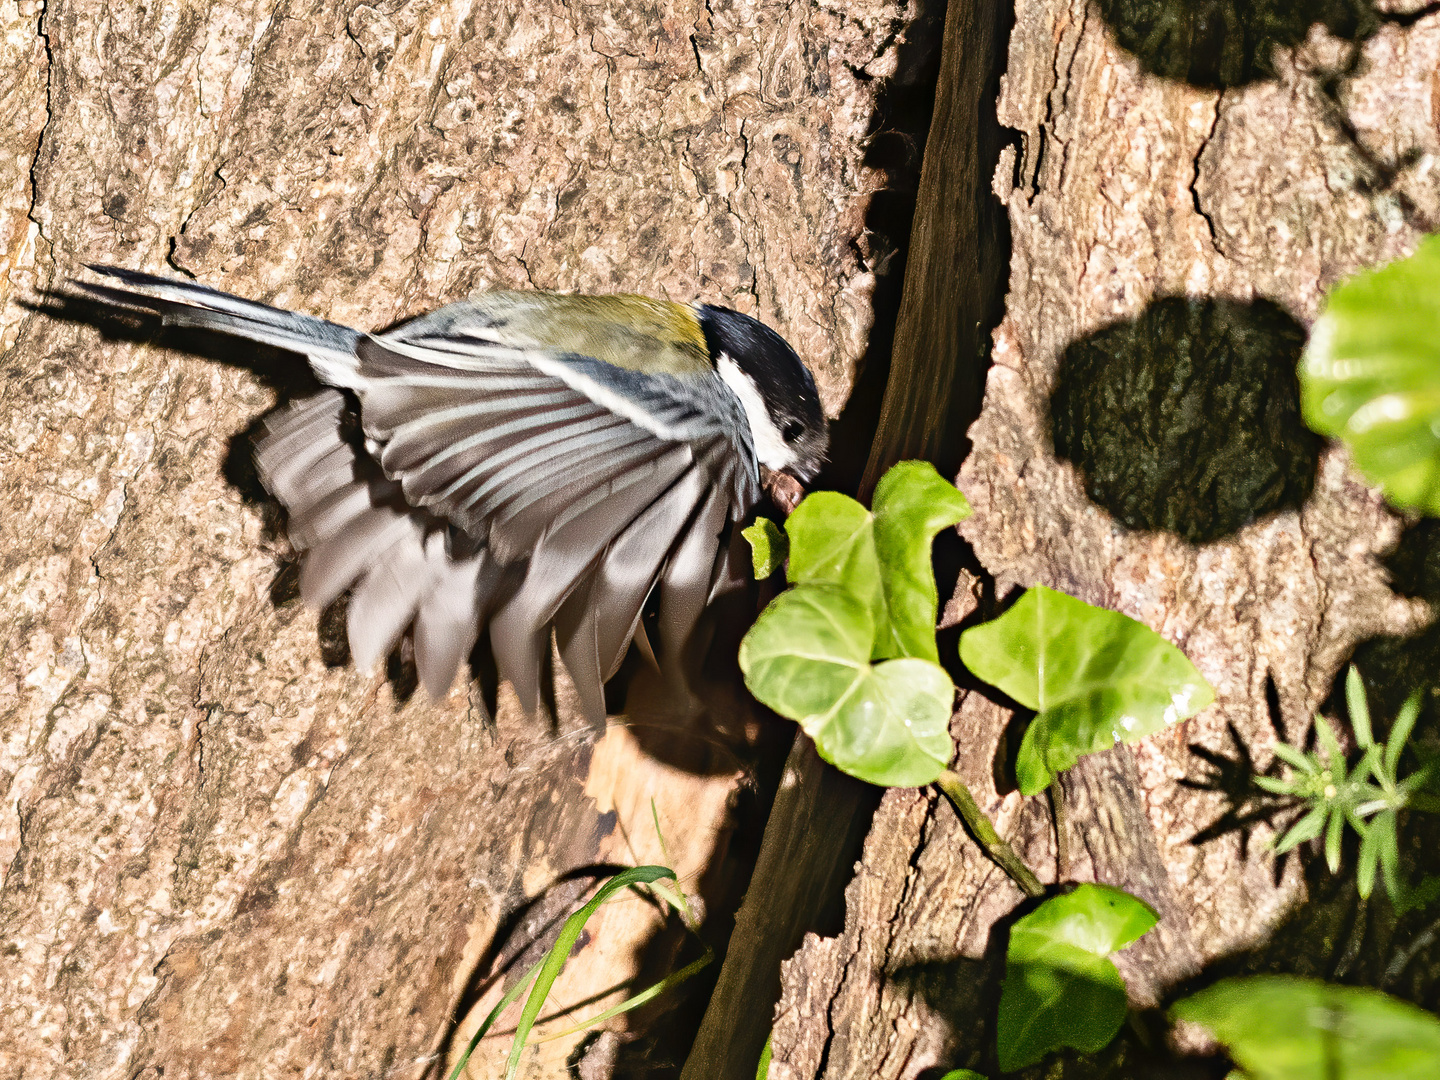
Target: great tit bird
[534, 460]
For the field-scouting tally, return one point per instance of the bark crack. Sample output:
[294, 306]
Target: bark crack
[524, 265]
[1195, 175]
[42, 33]
[94, 556]
[754, 288]
[1064, 88]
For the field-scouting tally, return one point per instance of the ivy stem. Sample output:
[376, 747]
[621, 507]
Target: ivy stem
[1062, 837]
[985, 835]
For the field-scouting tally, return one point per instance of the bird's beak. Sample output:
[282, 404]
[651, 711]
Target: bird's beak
[785, 490]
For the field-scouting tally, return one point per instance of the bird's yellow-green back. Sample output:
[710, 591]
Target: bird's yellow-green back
[658, 337]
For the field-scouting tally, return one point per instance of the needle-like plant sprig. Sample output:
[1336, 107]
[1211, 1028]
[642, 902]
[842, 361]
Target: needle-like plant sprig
[1369, 795]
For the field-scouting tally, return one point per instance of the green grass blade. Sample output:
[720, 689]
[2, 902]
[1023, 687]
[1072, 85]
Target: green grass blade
[555, 959]
[1307, 828]
[650, 993]
[509, 999]
[677, 898]
[1274, 785]
[1295, 759]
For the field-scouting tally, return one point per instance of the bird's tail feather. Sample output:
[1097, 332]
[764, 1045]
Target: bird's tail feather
[330, 346]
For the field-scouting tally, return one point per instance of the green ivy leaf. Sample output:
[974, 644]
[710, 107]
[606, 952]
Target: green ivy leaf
[769, 547]
[808, 658]
[1282, 1027]
[832, 542]
[1093, 676]
[1060, 987]
[912, 504]
[1100, 919]
[1370, 375]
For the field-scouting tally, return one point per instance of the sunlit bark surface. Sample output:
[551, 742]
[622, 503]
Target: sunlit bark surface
[224, 851]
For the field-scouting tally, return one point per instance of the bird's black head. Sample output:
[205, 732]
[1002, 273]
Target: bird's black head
[787, 425]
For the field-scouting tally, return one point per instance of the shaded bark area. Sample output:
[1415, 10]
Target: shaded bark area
[225, 852]
[1127, 188]
[931, 390]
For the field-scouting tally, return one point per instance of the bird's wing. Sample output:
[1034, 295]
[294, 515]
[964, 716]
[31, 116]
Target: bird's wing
[358, 533]
[583, 446]
[598, 477]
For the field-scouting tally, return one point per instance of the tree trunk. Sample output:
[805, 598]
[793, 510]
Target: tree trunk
[226, 852]
[1268, 182]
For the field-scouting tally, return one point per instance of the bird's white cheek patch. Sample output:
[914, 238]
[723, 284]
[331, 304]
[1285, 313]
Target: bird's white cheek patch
[770, 448]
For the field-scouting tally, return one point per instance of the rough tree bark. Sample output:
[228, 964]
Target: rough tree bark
[934, 376]
[1126, 188]
[225, 853]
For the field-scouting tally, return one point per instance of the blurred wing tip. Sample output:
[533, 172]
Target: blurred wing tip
[437, 690]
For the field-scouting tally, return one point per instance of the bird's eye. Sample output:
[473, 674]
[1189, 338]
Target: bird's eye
[793, 430]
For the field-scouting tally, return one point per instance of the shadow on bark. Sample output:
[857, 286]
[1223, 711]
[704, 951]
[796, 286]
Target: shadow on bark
[1187, 417]
[1225, 43]
[899, 125]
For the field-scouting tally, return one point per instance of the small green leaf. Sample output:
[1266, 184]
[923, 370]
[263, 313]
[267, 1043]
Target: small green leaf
[1295, 759]
[762, 1071]
[769, 547]
[1387, 843]
[1358, 707]
[801, 655]
[962, 1074]
[1306, 829]
[1060, 987]
[1097, 918]
[1094, 676]
[1400, 734]
[1369, 375]
[1334, 833]
[808, 658]
[1281, 1027]
[1369, 859]
[832, 542]
[1274, 785]
[912, 504]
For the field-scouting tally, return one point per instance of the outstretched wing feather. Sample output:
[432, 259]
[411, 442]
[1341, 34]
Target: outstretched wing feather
[685, 584]
[566, 554]
[596, 623]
